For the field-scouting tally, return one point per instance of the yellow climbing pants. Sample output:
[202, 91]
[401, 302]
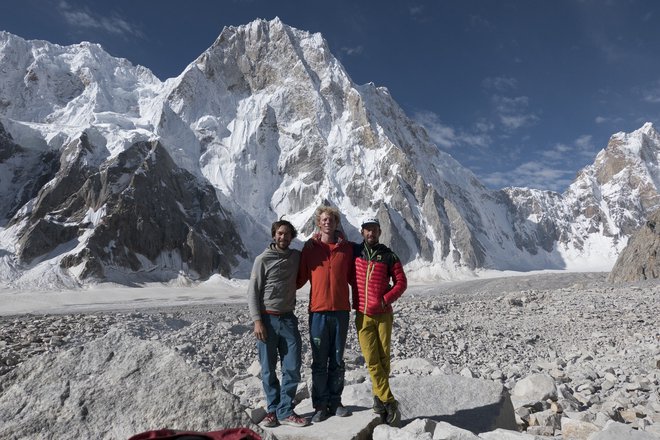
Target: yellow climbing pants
[374, 333]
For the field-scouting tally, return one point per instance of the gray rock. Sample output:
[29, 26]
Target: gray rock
[473, 404]
[446, 431]
[619, 431]
[532, 389]
[359, 426]
[503, 434]
[111, 388]
[420, 426]
[573, 429]
[546, 418]
[385, 432]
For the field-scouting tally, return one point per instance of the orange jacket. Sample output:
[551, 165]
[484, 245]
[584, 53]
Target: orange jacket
[328, 267]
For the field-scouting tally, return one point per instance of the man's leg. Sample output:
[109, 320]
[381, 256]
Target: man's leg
[374, 350]
[393, 417]
[290, 353]
[318, 335]
[336, 366]
[385, 322]
[268, 360]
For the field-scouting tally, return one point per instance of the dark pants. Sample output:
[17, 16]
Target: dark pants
[327, 332]
[283, 341]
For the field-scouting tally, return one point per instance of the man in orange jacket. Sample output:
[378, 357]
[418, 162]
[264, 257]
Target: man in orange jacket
[379, 281]
[327, 262]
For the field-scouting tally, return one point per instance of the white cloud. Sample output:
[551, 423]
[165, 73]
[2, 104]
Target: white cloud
[585, 142]
[352, 50]
[652, 93]
[416, 10]
[531, 175]
[418, 13]
[441, 134]
[479, 22]
[513, 113]
[561, 153]
[500, 83]
[84, 17]
[556, 153]
[554, 171]
[447, 137]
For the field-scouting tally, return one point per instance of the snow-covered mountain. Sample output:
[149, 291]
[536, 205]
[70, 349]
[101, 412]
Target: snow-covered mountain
[108, 173]
[591, 222]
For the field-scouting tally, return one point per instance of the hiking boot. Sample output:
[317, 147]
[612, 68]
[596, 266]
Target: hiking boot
[270, 421]
[339, 411]
[379, 406]
[295, 420]
[393, 417]
[320, 415]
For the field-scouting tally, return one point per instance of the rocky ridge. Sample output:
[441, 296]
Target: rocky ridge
[598, 344]
[640, 259]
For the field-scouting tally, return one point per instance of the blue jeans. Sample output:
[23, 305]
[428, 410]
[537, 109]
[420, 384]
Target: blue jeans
[283, 341]
[327, 332]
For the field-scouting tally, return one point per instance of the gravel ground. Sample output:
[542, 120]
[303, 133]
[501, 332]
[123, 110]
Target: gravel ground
[601, 342]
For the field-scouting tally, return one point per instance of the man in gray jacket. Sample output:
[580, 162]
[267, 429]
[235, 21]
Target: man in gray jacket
[272, 300]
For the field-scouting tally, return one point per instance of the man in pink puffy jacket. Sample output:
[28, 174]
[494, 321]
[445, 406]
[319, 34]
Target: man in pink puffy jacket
[379, 281]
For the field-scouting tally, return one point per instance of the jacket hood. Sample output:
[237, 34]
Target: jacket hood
[272, 249]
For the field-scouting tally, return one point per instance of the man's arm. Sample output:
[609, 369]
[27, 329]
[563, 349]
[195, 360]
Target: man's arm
[255, 297]
[260, 330]
[352, 274]
[399, 279]
[303, 269]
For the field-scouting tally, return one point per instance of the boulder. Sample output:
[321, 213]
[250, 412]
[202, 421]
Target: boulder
[421, 426]
[474, 405]
[573, 429]
[358, 426]
[533, 389]
[446, 431]
[503, 434]
[111, 388]
[385, 432]
[619, 431]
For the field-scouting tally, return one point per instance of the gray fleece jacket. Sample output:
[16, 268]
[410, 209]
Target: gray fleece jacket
[272, 284]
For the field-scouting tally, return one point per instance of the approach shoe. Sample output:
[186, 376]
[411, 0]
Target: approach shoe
[294, 420]
[393, 417]
[270, 421]
[379, 406]
[339, 411]
[320, 415]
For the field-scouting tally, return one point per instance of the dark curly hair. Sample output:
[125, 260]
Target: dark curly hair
[280, 222]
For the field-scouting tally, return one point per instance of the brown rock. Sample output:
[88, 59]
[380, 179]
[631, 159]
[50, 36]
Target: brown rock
[640, 260]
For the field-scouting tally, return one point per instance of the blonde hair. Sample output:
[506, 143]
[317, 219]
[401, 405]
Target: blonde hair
[330, 210]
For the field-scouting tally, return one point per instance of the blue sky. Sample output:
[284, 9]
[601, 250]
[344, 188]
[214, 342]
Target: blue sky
[522, 92]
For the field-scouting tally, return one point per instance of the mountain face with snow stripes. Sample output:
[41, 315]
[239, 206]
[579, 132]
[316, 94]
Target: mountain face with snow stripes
[108, 173]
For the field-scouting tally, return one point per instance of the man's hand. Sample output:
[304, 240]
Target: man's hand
[260, 330]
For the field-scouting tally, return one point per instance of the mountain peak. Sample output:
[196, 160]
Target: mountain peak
[267, 122]
[648, 128]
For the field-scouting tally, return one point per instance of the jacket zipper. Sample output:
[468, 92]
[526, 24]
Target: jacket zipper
[370, 268]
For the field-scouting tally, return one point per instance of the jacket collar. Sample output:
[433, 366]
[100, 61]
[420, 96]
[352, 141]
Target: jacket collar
[339, 236]
[273, 248]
